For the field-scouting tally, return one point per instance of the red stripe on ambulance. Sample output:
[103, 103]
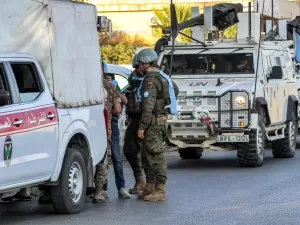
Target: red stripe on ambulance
[28, 119]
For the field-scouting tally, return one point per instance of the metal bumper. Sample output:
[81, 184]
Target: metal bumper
[230, 117]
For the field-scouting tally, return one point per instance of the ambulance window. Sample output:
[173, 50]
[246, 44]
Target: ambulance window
[27, 80]
[3, 79]
[4, 85]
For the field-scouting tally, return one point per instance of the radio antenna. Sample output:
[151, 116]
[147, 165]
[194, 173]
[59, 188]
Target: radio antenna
[174, 32]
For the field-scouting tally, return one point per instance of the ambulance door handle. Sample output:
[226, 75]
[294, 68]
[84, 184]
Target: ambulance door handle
[17, 123]
[51, 116]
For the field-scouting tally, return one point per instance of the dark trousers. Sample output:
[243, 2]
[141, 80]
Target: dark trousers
[116, 155]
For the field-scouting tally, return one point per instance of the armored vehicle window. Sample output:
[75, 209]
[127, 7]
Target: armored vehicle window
[278, 61]
[209, 64]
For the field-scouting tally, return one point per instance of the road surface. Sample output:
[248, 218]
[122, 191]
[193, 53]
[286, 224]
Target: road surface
[209, 191]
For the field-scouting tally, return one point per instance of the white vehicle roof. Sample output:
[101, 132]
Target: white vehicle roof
[15, 55]
[117, 69]
[66, 47]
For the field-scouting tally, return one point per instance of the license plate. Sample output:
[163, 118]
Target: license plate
[233, 138]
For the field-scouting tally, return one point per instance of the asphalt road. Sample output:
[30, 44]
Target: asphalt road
[212, 190]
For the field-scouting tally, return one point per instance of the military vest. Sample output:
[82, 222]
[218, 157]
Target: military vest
[163, 95]
[133, 105]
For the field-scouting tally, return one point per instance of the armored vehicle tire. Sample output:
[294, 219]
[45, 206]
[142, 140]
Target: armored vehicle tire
[69, 195]
[286, 147]
[190, 153]
[251, 154]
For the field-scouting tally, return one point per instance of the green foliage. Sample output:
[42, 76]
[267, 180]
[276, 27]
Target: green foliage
[164, 18]
[121, 48]
[118, 54]
[230, 32]
[183, 13]
[129, 39]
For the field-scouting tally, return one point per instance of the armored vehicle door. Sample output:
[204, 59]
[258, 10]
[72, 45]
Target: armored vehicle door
[280, 83]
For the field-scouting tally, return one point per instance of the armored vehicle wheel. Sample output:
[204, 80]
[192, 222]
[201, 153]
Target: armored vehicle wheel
[251, 154]
[190, 153]
[69, 195]
[286, 147]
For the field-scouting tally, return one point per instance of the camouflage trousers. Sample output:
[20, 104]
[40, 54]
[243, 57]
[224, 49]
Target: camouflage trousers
[101, 173]
[153, 158]
[132, 146]
[102, 168]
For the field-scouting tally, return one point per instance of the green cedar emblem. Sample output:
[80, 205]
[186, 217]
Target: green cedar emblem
[7, 153]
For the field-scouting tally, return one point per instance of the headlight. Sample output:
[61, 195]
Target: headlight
[240, 100]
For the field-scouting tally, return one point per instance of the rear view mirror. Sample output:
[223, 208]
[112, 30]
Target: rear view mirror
[4, 97]
[276, 72]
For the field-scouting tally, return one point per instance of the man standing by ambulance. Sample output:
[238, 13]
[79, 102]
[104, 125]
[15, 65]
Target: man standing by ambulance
[112, 106]
[156, 92]
[132, 144]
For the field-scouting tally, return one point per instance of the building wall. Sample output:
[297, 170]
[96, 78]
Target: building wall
[131, 22]
[282, 8]
[133, 16]
[289, 9]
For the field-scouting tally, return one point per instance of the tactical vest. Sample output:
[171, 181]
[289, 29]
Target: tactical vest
[134, 81]
[163, 95]
[133, 105]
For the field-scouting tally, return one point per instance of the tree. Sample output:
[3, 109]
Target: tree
[164, 19]
[118, 54]
[230, 32]
[122, 47]
[183, 13]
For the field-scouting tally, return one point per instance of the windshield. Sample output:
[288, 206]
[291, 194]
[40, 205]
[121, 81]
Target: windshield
[209, 64]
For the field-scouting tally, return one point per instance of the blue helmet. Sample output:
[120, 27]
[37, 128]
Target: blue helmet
[146, 56]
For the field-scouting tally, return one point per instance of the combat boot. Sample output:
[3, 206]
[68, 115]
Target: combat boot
[139, 185]
[159, 194]
[98, 195]
[149, 188]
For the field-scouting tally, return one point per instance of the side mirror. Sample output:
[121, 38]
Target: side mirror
[276, 73]
[4, 97]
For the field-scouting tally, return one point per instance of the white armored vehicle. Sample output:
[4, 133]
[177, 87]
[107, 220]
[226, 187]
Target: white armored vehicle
[234, 95]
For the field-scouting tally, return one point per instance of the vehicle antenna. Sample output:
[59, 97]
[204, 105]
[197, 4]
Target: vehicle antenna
[174, 32]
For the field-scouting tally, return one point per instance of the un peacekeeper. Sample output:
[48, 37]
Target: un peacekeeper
[112, 106]
[132, 145]
[155, 95]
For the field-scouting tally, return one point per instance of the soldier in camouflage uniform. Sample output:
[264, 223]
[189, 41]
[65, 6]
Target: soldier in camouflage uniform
[153, 126]
[112, 105]
[132, 145]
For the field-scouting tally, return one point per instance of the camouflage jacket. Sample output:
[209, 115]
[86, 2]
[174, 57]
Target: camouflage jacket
[153, 105]
[150, 92]
[112, 99]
